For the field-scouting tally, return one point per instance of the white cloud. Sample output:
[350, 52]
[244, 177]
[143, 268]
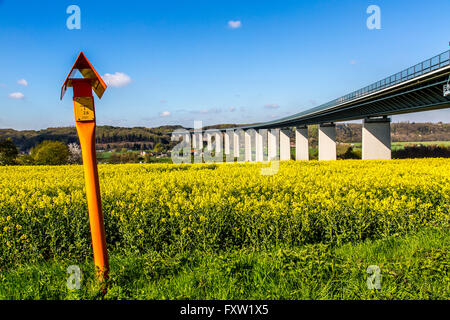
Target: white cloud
[234, 24]
[16, 95]
[271, 106]
[22, 82]
[164, 114]
[117, 79]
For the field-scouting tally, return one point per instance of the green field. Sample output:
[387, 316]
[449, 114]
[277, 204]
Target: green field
[412, 267]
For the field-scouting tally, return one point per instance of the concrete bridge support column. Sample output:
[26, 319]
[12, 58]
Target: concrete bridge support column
[236, 144]
[194, 141]
[218, 140]
[301, 143]
[197, 145]
[201, 142]
[285, 145]
[227, 138]
[376, 138]
[272, 144]
[327, 141]
[228, 148]
[248, 137]
[259, 147]
[197, 141]
[199, 137]
[209, 141]
[187, 138]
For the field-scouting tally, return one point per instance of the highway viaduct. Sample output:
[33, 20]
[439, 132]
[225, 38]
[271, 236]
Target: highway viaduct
[424, 86]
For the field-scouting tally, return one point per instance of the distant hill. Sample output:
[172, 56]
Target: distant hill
[109, 137]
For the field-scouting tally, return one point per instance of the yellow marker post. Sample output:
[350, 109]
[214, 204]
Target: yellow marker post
[83, 104]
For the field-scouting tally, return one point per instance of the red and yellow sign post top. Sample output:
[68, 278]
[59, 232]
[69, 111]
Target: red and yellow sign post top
[83, 104]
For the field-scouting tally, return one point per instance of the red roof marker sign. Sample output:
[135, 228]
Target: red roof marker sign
[83, 65]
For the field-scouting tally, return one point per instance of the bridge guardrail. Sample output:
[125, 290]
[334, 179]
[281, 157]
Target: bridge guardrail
[417, 70]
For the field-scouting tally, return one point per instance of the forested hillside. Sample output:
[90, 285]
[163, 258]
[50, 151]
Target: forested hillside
[140, 138]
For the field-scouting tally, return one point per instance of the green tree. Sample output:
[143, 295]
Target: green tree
[50, 153]
[158, 148]
[350, 154]
[8, 152]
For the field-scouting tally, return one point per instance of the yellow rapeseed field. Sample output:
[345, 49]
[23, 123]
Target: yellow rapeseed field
[43, 211]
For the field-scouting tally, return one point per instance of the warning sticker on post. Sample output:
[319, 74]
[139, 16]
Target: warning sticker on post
[84, 108]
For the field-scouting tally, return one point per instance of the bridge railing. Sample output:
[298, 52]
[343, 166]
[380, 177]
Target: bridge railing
[417, 70]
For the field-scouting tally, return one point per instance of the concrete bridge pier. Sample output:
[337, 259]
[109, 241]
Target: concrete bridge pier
[327, 141]
[187, 139]
[376, 138]
[285, 145]
[209, 141]
[197, 141]
[227, 138]
[218, 140]
[249, 141]
[197, 146]
[301, 143]
[260, 136]
[194, 141]
[228, 145]
[236, 144]
[272, 144]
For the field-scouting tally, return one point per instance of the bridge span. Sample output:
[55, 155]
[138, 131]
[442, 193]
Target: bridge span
[424, 86]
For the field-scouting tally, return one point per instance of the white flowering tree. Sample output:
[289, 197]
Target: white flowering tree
[75, 154]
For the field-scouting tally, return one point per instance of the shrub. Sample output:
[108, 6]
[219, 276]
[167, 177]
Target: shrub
[350, 154]
[50, 153]
[421, 151]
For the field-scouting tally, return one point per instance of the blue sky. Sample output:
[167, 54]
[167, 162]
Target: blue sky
[173, 62]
